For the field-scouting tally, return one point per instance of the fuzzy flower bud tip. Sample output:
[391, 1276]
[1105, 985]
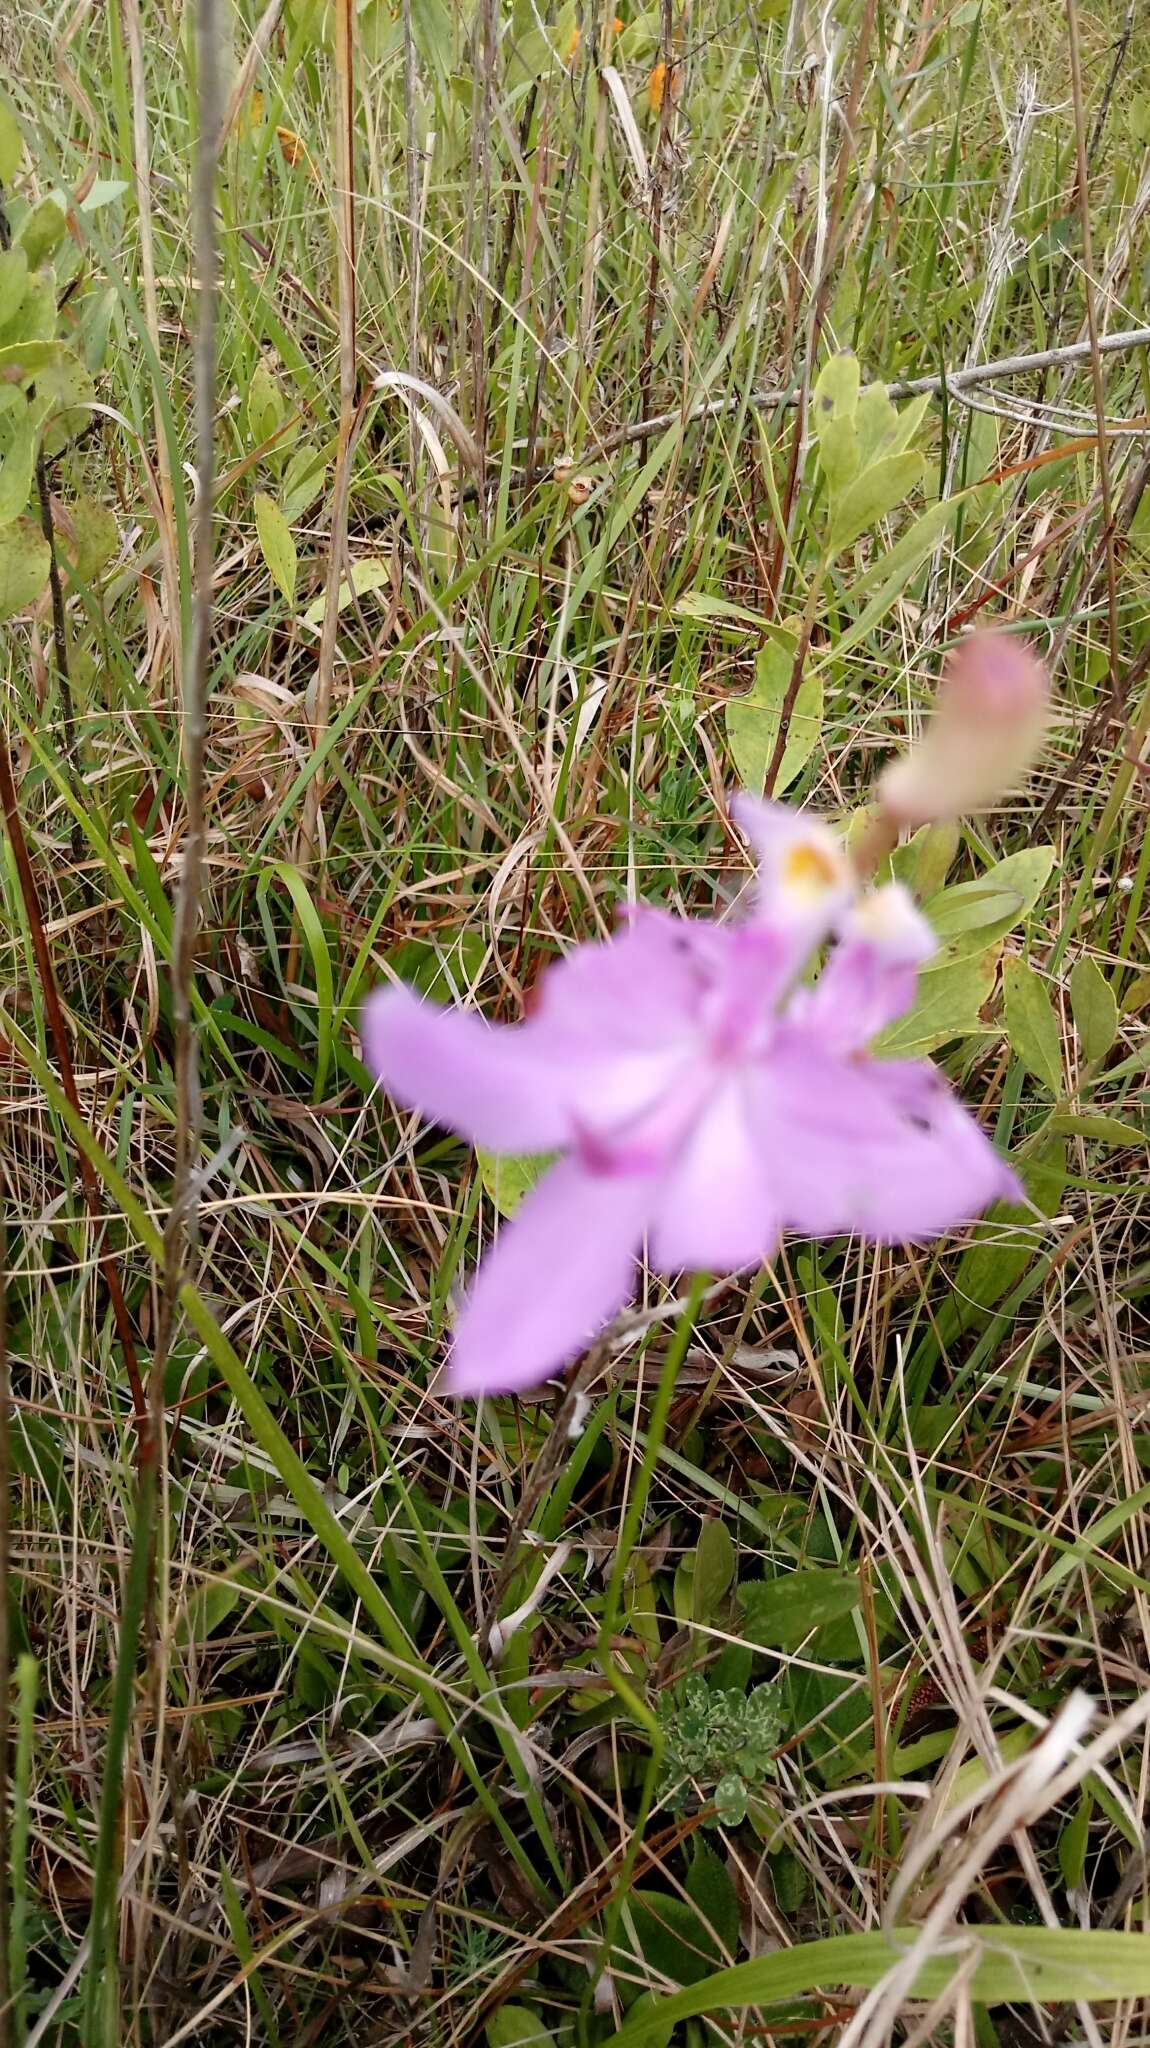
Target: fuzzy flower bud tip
[992, 707]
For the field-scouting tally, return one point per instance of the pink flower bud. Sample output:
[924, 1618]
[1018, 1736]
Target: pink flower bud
[986, 731]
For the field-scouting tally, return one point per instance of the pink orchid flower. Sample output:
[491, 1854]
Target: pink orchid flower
[704, 1098]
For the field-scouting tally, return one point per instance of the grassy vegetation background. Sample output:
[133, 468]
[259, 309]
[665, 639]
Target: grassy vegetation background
[503, 529]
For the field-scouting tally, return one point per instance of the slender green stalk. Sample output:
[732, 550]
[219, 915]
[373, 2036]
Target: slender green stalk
[629, 1535]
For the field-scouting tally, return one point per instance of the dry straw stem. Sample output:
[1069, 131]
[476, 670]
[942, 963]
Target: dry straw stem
[320, 692]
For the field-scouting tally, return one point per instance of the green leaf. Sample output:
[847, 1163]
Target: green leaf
[925, 861]
[25, 559]
[516, 2026]
[11, 143]
[207, 1610]
[1095, 1008]
[1073, 1841]
[833, 405]
[13, 283]
[1031, 1025]
[893, 568]
[64, 394]
[370, 573]
[948, 1006]
[103, 192]
[1000, 1256]
[266, 405]
[20, 359]
[507, 1179]
[709, 1887]
[1012, 1965]
[42, 232]
[671, 1936]
[781, 1613]
[276, 542]
[993, 904]
[17, 467]
[872, 495]
[302, 480]
[714, 1569]
[1104, 1130]
[753, 721]
[94, 538]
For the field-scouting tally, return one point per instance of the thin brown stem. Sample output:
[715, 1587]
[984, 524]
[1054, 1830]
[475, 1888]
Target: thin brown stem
[1083, 172]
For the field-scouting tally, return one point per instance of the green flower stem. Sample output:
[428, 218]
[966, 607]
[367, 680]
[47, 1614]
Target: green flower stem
[629, 1535]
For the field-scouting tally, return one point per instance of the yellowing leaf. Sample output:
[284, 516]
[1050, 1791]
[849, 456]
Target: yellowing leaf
[1031, 1025]
[507, 1180]
[370, 573]
[24, 564]
[1095, 1008]
[277, 544]
[753, 721]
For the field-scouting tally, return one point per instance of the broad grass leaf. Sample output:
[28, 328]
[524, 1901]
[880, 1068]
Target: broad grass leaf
[1017, 1965]
[25, 560]
[507, 1178]
[753, 721]
[276, 543]
[872, 495]
[1094, 1006]
[1031, 1024]
[948, 1006]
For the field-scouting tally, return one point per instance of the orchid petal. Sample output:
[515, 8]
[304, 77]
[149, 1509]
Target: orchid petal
[805, 880]
[871, 976]
[878, 1148]
[714, 1210]
[557, 1273]
[494, 1084]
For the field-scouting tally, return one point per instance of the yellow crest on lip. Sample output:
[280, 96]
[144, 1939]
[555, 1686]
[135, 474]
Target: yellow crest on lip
[810, 870]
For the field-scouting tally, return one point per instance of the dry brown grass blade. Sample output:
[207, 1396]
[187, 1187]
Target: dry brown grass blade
[320, 694]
